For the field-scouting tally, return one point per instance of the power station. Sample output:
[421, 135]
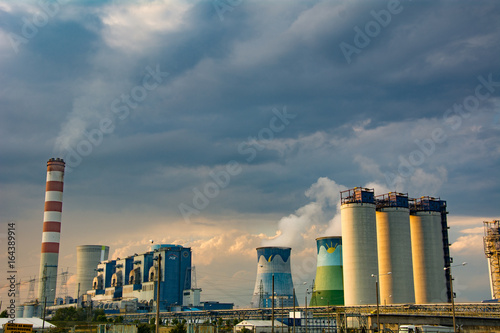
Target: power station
[329, 283]
[135, 277]
[392, 242]
[273, 274]
[87, 259]
[51, 230]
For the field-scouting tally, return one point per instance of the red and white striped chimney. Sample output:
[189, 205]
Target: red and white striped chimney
[51, 230]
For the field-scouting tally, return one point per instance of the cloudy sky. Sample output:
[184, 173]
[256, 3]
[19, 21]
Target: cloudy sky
[227, 125]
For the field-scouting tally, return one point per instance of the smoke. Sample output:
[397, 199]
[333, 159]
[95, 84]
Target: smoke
[325, 203]
[324, 206]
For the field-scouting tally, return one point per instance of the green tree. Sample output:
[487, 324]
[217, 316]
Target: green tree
[144, 328]
[119, 319]
[4, 314]
[179, 328]
[245, 330]
[99, 315]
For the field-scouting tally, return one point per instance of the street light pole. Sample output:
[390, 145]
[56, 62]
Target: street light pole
[157, 328]
[272, 311]
[293, 310]
[377, 292]
[453, 295]
[307, 290]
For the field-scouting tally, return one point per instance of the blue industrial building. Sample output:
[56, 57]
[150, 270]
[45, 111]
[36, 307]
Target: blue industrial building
[135, 277]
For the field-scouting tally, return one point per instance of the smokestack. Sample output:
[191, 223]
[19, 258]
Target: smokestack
[51, 230]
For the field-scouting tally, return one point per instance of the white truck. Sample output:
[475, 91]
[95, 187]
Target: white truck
[424, 329]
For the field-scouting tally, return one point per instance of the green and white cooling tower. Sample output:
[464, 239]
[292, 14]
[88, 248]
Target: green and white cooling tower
[329, 282]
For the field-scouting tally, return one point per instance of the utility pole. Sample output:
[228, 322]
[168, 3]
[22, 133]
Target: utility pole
[157, 328]
[44, 279]
[272, 312]
[294, 310]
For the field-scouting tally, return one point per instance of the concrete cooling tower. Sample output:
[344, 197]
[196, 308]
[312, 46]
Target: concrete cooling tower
[87, 259]
[427, 251]
[328, 285]
[51, 230]
[394, 249]
[359, 241]
[273, 261]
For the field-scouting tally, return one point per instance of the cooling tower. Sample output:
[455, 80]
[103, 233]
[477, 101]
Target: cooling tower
[359, 246]
[427, 253]
[273, 261]
[51, 230]
[87, 259]
[328, 285]
[394, 249]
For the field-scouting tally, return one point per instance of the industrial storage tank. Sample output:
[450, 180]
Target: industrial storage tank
[19, 311]
[394, 249]
[359, 240]
[28, 311]
[87, 259]
[328, 285]
[427, 252]
[273, 261]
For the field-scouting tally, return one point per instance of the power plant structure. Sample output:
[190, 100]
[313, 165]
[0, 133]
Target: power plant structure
[401, 242]
[491, 243]
[136, 277]
[329, 283]
[273, 274]
[359, 245]
[51, 230]
[430, 250]
[87, 259]
[394, 249]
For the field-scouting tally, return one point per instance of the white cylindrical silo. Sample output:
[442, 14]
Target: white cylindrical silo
[87, 259]
[428, 257]
[359, 241]
[394, 249]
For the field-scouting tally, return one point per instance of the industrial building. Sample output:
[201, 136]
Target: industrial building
[394, 249]
[135, 277]
[51, 230]
[359, 245]
[492, 251]
[396, 244]
[273, 275]
[329, 283]
[87, 259]
[430, 250]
